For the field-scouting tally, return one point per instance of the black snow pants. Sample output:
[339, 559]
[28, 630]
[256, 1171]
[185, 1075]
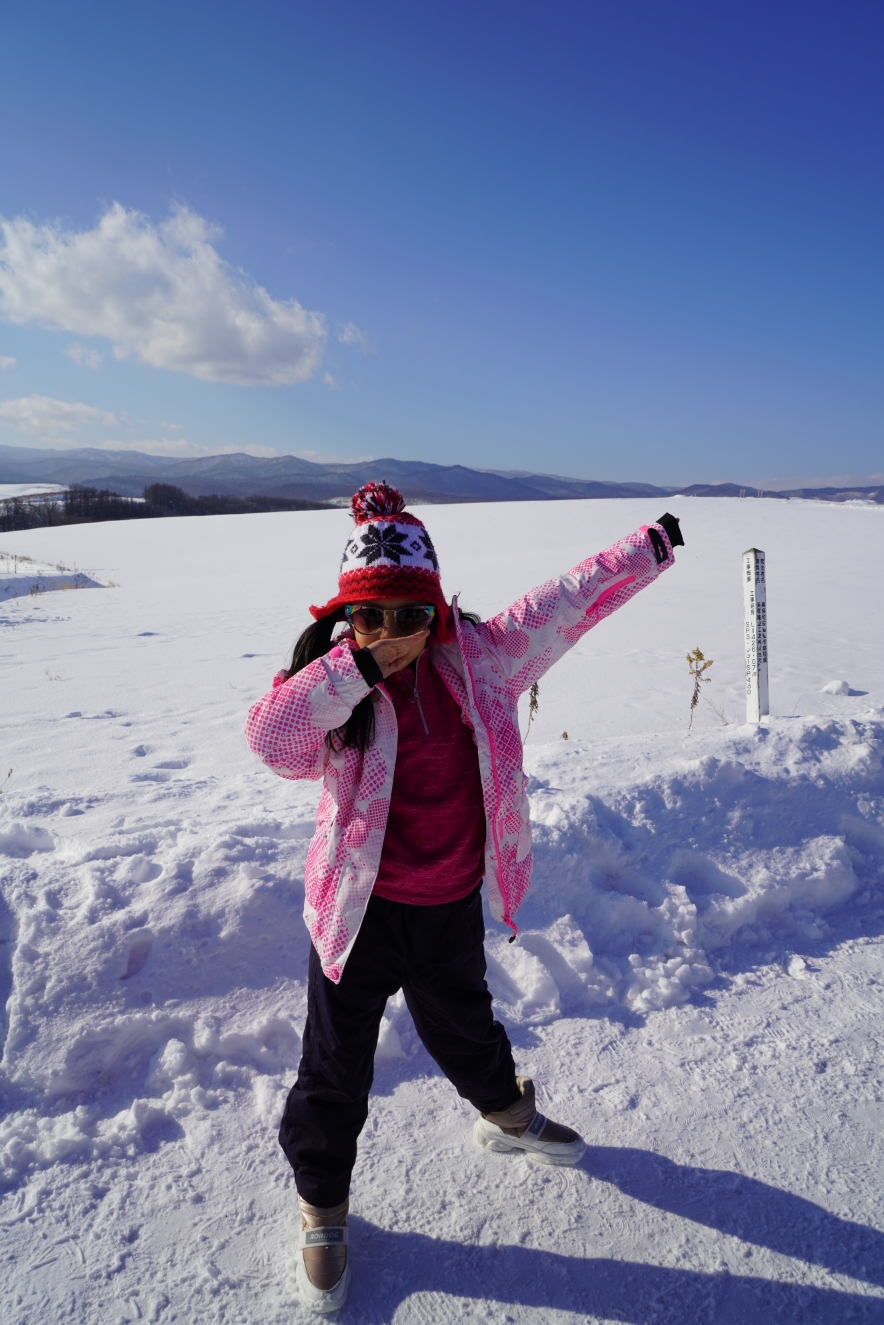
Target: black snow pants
[436, 955]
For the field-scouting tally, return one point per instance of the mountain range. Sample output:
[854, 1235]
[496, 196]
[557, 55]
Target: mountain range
[240, 475]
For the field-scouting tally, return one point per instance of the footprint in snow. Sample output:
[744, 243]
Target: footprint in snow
[138, 955]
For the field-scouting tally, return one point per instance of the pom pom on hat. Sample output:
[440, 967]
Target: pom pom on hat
[376, 501]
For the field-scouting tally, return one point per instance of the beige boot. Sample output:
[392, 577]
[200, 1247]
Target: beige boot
[521, 1127]
[323, 1275]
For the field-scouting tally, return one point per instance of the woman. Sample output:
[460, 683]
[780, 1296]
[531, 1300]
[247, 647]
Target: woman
[410, 717]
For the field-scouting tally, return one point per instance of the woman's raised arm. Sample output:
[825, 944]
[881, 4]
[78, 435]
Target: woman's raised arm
[534, 632]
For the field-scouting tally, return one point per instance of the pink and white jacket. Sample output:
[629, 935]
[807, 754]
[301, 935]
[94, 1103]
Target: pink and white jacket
[486, 667]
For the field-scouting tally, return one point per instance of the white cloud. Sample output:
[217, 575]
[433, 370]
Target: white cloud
[84, 357]
[7, 361]
[332, 382]
[160, 293]
[171, 427]
[43, 416]
[349, 334]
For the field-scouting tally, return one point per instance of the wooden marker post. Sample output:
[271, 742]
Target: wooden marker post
[755, 625]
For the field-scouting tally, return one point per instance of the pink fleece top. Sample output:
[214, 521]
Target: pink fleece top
[434, 846]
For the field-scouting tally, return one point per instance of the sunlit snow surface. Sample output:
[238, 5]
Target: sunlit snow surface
[698, 984]
[8, 490]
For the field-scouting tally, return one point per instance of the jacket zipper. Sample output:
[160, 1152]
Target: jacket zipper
[417, 698]
[468, 676]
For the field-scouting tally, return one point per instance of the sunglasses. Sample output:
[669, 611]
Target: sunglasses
[371, 620]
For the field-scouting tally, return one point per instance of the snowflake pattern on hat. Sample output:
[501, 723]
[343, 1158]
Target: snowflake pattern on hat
[376, 543]
[429, 550]
[387, 542]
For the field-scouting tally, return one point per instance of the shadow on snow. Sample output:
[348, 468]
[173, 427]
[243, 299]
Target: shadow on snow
[390, 1267]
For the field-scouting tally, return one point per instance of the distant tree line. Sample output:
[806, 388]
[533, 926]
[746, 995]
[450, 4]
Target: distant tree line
[91, 505]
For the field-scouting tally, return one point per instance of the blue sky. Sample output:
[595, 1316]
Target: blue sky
[623, 241]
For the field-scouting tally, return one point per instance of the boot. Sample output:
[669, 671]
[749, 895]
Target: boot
[322, 1274]
[521, 1127]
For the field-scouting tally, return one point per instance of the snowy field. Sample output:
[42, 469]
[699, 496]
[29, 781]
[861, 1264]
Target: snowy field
[29, 489]
[697, 986]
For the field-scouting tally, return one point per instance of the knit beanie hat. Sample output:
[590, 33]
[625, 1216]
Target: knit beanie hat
[388, 555]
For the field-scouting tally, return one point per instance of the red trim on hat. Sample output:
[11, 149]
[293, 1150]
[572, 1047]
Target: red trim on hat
[388, 582]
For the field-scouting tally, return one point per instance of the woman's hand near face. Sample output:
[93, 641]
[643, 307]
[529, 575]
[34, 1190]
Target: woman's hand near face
[392, 655]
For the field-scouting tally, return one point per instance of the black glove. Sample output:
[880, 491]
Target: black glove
[671, 525]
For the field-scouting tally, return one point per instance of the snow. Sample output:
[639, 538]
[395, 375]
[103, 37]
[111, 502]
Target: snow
[20, 575]
[29, 489]
[697, 984]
